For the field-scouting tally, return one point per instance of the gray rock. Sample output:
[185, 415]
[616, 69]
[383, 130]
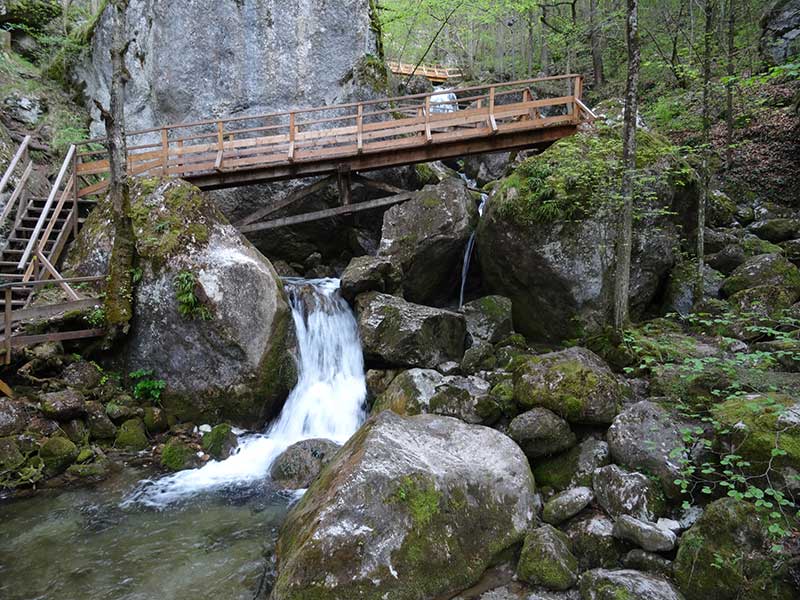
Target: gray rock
[764, 269]
[540, 432]
[647, 536]
[488, 319]
[574, 383]
[566, 505]
[646, 437]
[409, 494]
[780, 31]
[479, 357]
[368, 274]
[624, 493]
[62, 406]
[679, 295]
[593, 542]
[100, 425]
[299, 465]
[546, 559]
[229, 362]
[11, 417]
[776, 230]
[24, 109]
[269, 56]
[573, 468]
[484, 168]
[409, 393]
[397, 332]
[426, 236]
[601, 584]
[465, 398]
[559, 272]
[82, 374]
[648, 562]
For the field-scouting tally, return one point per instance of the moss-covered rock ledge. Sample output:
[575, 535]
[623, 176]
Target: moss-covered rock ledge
[210, 314]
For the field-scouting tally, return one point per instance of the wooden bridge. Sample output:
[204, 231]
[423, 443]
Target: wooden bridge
[334, 141]
[434, 73]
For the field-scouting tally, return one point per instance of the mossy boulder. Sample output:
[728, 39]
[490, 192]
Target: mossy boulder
[573, 467]
[489, 319]
[546, 559]
[11, 417]
[679, 294]
[566, 505]
[426, 237]
[63, 405]
[397, 332]
[10, 455]
[58, 453]
[131, 436]
[540, 432]
[368, 274]
[593, 541]
[409, 393]
[625, 584]
[220, 442]
[574, 383]
[177, 455]
[723, 556]
[155, 419]
[212, 319]
[776, 230]
[764, 269]
[544, 241]
[410, 508]
[759, 424]
[764, 301]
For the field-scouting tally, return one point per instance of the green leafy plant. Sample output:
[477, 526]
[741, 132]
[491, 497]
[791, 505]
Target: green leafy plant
[146, 387]
[97, 317]
[189, 305]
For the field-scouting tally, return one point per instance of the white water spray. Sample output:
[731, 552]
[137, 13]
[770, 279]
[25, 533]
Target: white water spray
[327, 402]
[444, 101]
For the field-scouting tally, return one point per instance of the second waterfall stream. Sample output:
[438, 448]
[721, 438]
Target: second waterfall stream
[327, 402]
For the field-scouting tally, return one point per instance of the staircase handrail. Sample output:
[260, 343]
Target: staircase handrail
[68, 161]
[23, 147]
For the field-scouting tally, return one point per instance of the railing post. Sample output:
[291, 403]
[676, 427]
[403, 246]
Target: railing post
[290, 157]
[76, 216]
[577, 96]
[7, 325]
[164, 151]
[360, 129]
[428, 135]
[492, 121]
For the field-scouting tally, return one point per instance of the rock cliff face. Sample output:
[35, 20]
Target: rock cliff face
[259, 56]
[780, 31]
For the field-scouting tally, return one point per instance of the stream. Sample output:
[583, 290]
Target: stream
[199, 533]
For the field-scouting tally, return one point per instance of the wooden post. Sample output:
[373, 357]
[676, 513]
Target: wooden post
[220, 146]
[428, 135]
[360, 129]
[180, 157]
[291, 137]
[7, 325]
[578, 94]
[344, 183]
[492, 121]
[76, 216]
[164, 152]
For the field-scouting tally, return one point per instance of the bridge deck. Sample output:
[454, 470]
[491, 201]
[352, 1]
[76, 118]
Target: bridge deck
[434, 73]
[348, 137]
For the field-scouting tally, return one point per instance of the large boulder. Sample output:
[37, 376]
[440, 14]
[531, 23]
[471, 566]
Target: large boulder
[574, 383]
[764, 269]
[409, 393]
[397, 332]
[646, 437]
[264, 59]
[410, 508]
[301, 463]
[540, 432]
[573, 467]
[211, 317]
[780, 31]
[370, 274]
[12, 418]
[602, 584]
[427, 236]
[620, 492]
[546, 559]
[488, 319]
[546, 240]
[724, 556]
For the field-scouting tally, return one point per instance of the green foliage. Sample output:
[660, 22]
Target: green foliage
[145, 387]
[97, 317]
[189, 305]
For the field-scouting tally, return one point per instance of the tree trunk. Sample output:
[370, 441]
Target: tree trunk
[597, 51]
[119, 291]
[625, 234]
[708, 33]
[729, 87]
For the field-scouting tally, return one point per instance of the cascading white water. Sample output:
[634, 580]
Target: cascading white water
[470, 243]
[444, 101]
[327, 402]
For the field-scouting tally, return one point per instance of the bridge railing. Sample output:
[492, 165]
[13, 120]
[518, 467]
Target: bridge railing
[432, 72]
[331, 132]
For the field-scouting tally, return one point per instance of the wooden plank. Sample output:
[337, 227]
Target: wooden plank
[7, 323]
[17, 192]
[360, 129]
[56, 275]
[327, 213]
[50, 310]
[291, 198]
[20, 341]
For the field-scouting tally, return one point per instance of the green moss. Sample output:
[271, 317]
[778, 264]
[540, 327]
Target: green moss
[546, 559]
[218, 441]
[131, 435]
[421, 498]
[580, 174]
[557, 472]
[10, 456]
[57, 454]
[176, 455]
[426, 174]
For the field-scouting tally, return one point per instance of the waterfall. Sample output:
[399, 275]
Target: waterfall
[327, 402]
[470, 244]
[444, 95]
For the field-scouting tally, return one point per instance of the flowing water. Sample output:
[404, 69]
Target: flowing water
[444, 95]
[198, 533]
[470, 244]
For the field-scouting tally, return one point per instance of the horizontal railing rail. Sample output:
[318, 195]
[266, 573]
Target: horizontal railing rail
[19, 196]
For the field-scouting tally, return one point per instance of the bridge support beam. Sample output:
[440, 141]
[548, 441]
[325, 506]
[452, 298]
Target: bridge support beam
[345, 183]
